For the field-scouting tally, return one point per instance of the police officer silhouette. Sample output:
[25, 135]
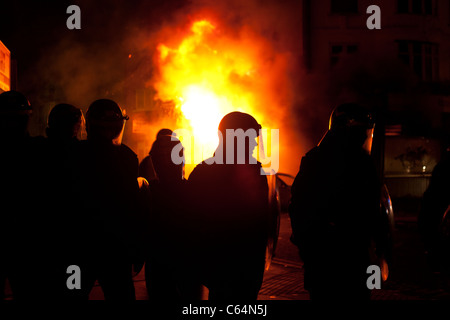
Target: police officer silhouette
[106, 179]
[64, 125]
[335, 208]
[21, 165]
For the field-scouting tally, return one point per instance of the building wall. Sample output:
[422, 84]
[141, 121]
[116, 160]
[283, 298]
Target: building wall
[397, 87]
[329, 28]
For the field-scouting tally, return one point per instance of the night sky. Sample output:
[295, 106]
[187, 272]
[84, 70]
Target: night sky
[34, 31]
[37, 36]
[55, 64]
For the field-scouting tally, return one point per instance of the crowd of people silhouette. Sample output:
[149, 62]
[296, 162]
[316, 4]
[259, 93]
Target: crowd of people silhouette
[90, 203]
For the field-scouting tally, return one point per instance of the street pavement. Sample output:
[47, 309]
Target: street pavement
[409, 278]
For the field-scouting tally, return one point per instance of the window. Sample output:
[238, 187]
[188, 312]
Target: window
[352, 49]
[421, 57]
[339, 51]
[344, 6]
[416, 6]
[144, 98]
[428, 7]
[403, 6]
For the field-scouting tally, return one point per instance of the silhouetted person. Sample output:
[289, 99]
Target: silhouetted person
[107, 182]
[435, 202]
[335, 208]
[147, 168]
[63, 127]
[230, 206]
[64, 123]
[165, 270]
[20, 216]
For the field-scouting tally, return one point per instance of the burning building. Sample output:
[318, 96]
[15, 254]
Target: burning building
[204, 69]
[181, 64]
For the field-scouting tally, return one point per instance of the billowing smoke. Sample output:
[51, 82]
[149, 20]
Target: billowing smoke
[254, 62]
[116, 50]
[115, 54]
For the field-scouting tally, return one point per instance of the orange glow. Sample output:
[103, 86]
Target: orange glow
[202, 108]
[210, 73]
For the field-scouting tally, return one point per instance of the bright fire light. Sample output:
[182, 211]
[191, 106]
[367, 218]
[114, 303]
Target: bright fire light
[209, 74]
[203, 109]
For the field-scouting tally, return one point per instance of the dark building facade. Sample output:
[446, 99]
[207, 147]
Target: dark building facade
[402, 71]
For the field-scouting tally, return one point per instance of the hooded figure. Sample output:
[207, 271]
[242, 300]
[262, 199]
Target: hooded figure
[167, 275]
[158, 165]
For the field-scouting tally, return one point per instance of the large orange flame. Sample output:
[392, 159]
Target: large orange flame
[210, 74]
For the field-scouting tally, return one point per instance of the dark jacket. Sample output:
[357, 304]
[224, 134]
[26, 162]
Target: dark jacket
[106, 179]
[230, 215]
[335, 213]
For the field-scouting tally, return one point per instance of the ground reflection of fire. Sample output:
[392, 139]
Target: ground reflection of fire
[210, 73]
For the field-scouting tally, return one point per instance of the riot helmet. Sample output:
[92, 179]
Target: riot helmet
[165, 132]
[350, 115]
[64, 122]
[355, 123]
[105, 121]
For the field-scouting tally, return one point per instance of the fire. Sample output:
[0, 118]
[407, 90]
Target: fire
[209, 74]
[203, 110]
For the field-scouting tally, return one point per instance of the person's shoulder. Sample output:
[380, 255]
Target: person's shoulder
[198, 169]
[206, 164]
[442, 168]
[312, 155]
[313, 152]
[201, 170]
[127, 151]
[146, 159]
[145, 163]
[445, 161]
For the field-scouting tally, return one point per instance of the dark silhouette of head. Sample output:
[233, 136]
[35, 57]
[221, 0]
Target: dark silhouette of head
[161, 155]
[64, 122]
[165, 132]
[237, 134]
[349, 115]
[238, 120]
[105, 122]
[353, 125]
[15, 111]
